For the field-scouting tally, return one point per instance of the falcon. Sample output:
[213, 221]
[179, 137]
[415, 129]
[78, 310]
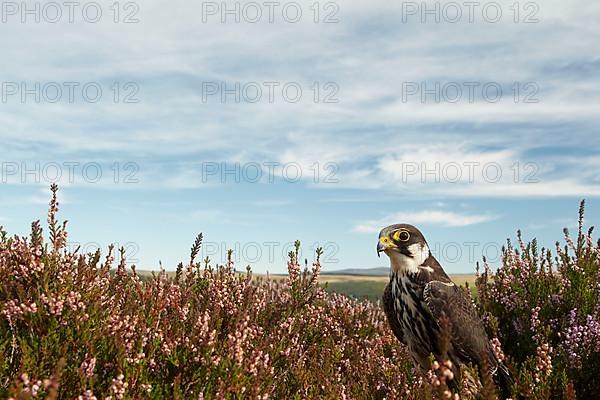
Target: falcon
[421, 300]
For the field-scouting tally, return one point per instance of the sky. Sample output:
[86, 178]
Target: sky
[260, 123]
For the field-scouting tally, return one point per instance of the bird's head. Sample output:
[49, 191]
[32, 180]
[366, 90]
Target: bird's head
[405, 245]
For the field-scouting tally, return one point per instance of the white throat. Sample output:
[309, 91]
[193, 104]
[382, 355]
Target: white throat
[402, 264]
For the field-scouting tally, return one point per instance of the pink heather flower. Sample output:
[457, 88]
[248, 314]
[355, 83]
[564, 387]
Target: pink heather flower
[146, 387]
[30, 387]
[88, 366]
[293, 271]
[119, 387]
[55, 304]
[87, 395]
[581, 339]
[73, 300]
[497, 348]
[343, 394]
[35, 388]
[25, 379]
[543, 367]
[216, 359]
[535, 319]
[12, 311]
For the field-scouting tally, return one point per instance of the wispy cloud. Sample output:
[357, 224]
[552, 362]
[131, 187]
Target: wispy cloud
[367, 133]
[431, 217]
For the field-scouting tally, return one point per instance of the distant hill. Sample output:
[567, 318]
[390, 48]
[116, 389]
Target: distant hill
[378, 271]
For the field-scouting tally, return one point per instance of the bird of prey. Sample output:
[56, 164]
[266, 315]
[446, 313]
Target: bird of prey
[420, 296]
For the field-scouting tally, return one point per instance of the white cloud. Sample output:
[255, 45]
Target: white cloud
[432, 217]
[451, 166]
[370, 53]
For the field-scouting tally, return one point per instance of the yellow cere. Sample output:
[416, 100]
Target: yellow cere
[386, 241]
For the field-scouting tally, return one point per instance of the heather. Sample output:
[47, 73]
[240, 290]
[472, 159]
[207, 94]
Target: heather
[71, 328]
[79, 326]
[545, 309]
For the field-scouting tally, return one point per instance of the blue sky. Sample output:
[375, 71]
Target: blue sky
[372, 146]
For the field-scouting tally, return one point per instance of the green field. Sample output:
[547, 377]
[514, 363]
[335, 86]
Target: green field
[371, 287]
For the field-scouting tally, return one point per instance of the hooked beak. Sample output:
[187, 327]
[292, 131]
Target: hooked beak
[380, 247]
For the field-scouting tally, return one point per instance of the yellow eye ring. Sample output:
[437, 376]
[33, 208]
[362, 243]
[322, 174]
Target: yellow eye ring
[401, 236]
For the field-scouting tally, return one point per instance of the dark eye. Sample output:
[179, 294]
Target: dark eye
[401, 236]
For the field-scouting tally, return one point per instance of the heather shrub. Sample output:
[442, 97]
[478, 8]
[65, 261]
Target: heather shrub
[545, 308]
[77, 326]
[74, 326]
